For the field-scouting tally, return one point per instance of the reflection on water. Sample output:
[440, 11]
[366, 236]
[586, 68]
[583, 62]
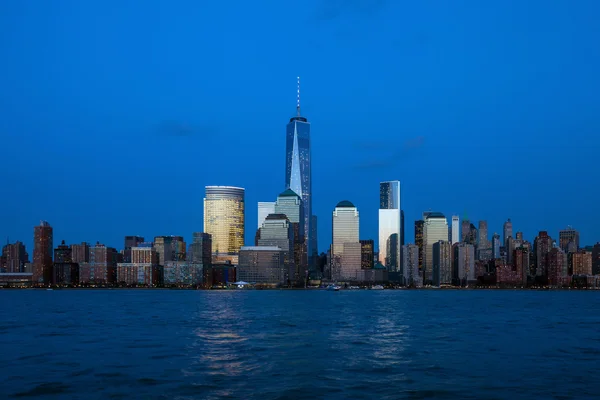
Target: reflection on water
[297, 344]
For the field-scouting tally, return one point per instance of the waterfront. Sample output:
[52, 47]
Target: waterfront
[156, 344]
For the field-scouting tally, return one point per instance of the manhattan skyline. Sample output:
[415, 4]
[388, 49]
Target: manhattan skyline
[513, 97]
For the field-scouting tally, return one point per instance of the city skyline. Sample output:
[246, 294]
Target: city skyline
[371, 121]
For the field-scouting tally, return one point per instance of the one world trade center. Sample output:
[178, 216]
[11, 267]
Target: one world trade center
[298, 171]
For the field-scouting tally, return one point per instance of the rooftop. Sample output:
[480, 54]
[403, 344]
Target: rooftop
[344, 204]
[288, 193]
[436, 215]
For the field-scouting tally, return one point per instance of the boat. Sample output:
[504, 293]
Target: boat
[353, 287]
[377, 287]
[333, 288]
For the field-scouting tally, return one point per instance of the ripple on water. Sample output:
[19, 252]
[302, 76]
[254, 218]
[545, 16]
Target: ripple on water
[44, 389]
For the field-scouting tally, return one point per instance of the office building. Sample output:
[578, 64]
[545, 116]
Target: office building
[14, 257]
[465, 230]
[463, 266]
[484, 247]
[63, 253]
[521, 262]
[435, 229]
[390, 225]
[183, 273]
[345, 247]
[143, 270]
[419, 241]
[130, 241]
[367, 255]
[496, 246]
[265, 208]
[277, 231]
[298, 171]
[455, 237]
[224, 218]
[507, 231]
[412, 276]
[557, 266]
[581, 263]
[42, 253]
[290, 204]
[65, 273]
[263, 265]
[80, 253]
[541, 246]
[596, 259]
[169, 248]
[442, 263]
[567, 236]
[200, 251]
[102, 266]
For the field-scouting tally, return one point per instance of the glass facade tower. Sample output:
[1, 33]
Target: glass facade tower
[390, 227]
[298, 170]
[224, 218]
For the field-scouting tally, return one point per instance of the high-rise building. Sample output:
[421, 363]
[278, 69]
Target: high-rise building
[442, 263]
[345, 247]
[224, 218]
[290, 204]
[63, 253]
[542, 246]
[278, 231]
[484, 247]
[14, 257]
[465, 231]
[263, 265]
[596, 259]
[463, 266]
[567, 236]
[434, 230]
[143, 270]
[521, 262]
[455, 229]
[419, 242]
[130, 241]
[42, 253]
[80, 253]
[200, 251]
[557, 265]
[298, 174]
[519, 236]
[265, 208]
[507, 231]
[495, 246]
[169, 248]
[581, 263]
[367, 255]
[102, 265]
[411, 275]
[390, 225]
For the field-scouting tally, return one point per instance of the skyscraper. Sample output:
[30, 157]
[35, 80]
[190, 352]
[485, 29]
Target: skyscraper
[495, 246]
[278, 231]
[345, 247]
[42, 253]
[265, 208]
[411, 275]
[508, 231]
[567, 236]
[419, 242]
[442, 263]
[200, 251]
[290, 204]
[130, 241]
[224, 218]
[298, 169]
[434, 230]
[455, 229]
[390, 225]
[542, 246]
[14, 257]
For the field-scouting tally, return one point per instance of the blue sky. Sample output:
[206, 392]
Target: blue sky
[114, 115]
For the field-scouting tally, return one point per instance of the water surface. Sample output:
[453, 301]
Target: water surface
[392, 344]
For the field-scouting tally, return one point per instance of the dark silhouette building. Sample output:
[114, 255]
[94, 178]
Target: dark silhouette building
[14, 257]
[130, 241]
[367, 255]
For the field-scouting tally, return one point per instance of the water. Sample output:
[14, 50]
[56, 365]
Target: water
[161, 344]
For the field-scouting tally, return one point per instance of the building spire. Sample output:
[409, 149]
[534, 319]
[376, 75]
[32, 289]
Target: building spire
[298, 100]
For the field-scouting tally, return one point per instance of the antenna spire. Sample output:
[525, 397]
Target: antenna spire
[298, 100]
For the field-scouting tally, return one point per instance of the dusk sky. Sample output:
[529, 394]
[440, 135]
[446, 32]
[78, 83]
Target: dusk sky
[114, 115]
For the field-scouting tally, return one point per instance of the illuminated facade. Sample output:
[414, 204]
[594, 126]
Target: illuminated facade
[263, 265]
[345, 248]
[390, 225]
[442, 263]
[298, 170]
[265, 208]
[224, 218]
[455, 238]
[567, 236]
[435, 229]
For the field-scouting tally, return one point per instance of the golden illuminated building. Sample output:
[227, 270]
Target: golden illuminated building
[224, 218]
